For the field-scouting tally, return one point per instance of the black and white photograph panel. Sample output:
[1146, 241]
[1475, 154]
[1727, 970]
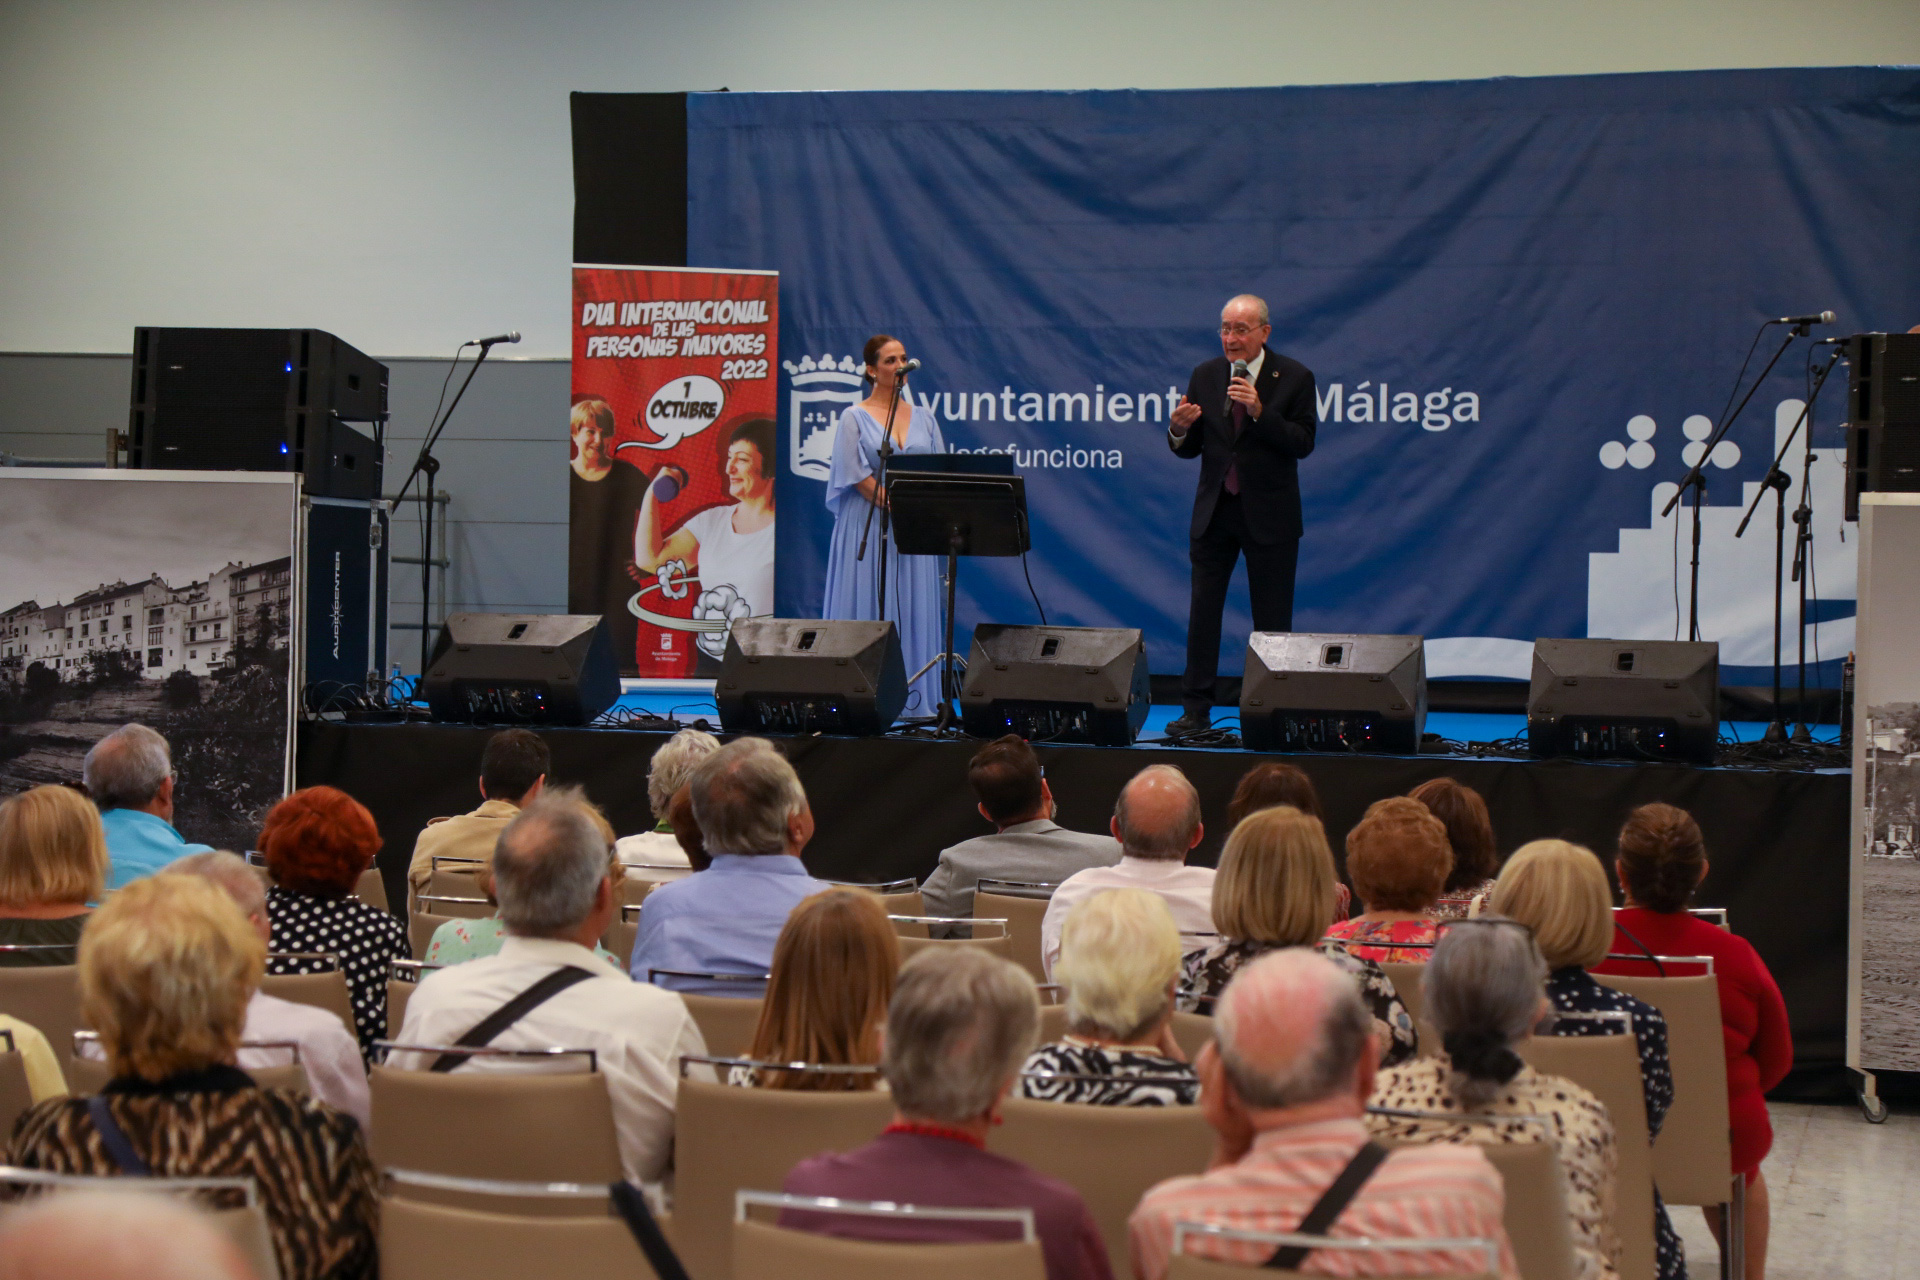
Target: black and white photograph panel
[160, 597]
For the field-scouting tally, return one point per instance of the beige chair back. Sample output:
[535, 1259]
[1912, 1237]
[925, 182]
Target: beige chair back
[1693, 1157]
[15, 1094]
[421, 1240]
[765, 1252]
[1186, 1266]
[371, 888]
[453, 878]
[1110, 1155]
[1537, 1220]
[1608, 1067]
[1406, 984]
[727, 1138]
[46, 998]
[990, 934]
[907, 902]
[513, 1126]
[726, 1023]
[1023, 916]
[621, 932]
[321, 990]
[634, 892]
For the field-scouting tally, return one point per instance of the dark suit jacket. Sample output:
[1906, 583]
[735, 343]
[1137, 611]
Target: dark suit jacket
[1267, 452]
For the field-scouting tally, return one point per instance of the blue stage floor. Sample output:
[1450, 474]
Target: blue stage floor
[686, 704]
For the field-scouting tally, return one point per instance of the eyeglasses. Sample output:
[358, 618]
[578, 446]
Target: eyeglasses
[1240, 330]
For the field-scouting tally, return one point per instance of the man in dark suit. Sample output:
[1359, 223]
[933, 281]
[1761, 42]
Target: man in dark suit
[1249, 433]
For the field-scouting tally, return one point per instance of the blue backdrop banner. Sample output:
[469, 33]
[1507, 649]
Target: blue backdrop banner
[1525, 302]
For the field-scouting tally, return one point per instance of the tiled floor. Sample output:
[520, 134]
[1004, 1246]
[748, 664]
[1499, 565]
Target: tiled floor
[1846, 1199]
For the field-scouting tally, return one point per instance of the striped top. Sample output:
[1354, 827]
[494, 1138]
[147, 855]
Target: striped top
[1420, 1192]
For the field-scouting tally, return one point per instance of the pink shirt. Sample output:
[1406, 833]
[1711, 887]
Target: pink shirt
[1418, 1193]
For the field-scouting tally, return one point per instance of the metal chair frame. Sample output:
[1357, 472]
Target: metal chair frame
[495, 1187]
[410, 970]
[762, 978]
[907, 885]
[91, 1039]
[15, 948]
[383, 1048]
[630, 912]
[17, 1176]
[1489, 1250]
[812, 1068]
[991, 884]
[7, 1035]
[954, 920]
[446, 897]
[742, 1200]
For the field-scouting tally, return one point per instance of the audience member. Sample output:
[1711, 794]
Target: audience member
[1157, 822]
[1119, 959]
[44, 1077]
[459, 940]
[1399, 858]
[672, 765]
[1026, 844]
[1662, 860]
[1485, 990]
[53, 862]
[167, 966]
[513, 769]
[1269, 784]
[1283, 1084]
[129, 774]
[960, 1024]
[557, 897]
[329, 1054]
[116, 1234]
[317, 841]
[1560, 891]
[754, 817]
[686, 829]
[1476, 858]
[1275, 888]
[833, 974]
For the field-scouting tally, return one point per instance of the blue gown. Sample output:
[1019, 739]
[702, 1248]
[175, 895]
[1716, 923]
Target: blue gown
[913, 582]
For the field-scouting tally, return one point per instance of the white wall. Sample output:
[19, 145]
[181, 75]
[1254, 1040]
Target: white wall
[397, 171]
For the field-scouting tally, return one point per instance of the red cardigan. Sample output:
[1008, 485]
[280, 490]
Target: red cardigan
[1753, 1017]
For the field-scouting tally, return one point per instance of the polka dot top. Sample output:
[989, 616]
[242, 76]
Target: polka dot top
[363, 936]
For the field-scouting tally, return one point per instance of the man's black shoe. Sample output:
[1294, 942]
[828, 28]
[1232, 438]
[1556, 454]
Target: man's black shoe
[1193, 720]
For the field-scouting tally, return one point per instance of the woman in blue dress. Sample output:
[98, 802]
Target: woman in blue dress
[913, 582]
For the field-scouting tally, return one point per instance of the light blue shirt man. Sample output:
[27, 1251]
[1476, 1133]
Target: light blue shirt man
[141, 843]
[721, 920]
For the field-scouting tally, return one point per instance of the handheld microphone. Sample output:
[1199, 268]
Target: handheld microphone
[1239, 371]
[909, 367]
[511, 335]
[1825, 317]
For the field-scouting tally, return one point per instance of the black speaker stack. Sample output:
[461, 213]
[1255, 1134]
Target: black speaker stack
[787, 675]
[521, 669]
[1318, 692]
[1625, 699]
[1057, 684]
[1883, 415]
[257, 400]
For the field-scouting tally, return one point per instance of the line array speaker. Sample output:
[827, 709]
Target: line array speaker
[1304, 691]
[1056, 684]
[1883, 416]
[1625, 699]
[521, 668]
[810, 675]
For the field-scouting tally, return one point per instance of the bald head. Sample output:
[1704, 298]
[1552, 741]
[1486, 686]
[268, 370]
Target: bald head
[115, 1235]
[1158, 815]
[1291, 1030]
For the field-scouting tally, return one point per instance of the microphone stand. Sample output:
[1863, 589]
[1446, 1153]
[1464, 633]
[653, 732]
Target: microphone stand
[880, 493]
[1696, 479]
[429, 466]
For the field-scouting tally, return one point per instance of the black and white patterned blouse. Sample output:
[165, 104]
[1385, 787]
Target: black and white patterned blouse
[1204, 975]
[363, 936]
[1574, 990]
[1131, 1077]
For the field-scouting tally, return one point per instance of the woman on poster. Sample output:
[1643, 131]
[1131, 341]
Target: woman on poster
[853, 580]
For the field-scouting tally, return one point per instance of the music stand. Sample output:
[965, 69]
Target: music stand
[956, 515]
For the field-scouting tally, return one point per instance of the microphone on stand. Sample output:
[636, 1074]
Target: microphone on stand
[511, 335]
[909, 367]
[1239, 371]
[1824, 317]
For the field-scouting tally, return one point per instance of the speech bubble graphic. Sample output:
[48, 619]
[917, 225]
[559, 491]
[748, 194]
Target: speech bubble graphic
[684, 407]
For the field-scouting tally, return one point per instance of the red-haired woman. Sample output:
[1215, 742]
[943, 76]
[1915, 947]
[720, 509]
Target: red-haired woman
[317, 842]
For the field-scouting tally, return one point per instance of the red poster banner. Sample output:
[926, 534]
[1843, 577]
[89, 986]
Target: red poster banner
[671, 459]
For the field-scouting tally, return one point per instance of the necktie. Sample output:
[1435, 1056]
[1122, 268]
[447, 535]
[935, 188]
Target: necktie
[1232, 483]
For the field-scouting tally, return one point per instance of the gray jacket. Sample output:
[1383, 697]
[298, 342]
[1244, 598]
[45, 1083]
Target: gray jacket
[1041, 850]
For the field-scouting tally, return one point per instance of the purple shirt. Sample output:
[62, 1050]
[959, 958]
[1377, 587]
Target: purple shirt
[912, 1168]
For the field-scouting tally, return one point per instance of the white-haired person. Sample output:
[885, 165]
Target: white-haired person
[1284, 1085]
[116, 1234]
[959, 1025]
[670, 769]
[1485, 992]
[1119, 960]
[129, 774]
[329, 1053]
[167, 966]
[1560, 891]
[1277, 887]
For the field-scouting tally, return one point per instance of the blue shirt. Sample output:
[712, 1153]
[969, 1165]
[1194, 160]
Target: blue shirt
[721, 920]
[139, 844]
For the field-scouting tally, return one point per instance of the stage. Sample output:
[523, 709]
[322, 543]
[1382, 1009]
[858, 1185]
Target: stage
[887, 806]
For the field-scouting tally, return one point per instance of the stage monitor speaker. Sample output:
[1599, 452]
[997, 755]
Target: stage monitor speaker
[257, 400]
[811, 675]
[1056, 684]
[1625, 699]
[521, 669]
[1319, 692]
